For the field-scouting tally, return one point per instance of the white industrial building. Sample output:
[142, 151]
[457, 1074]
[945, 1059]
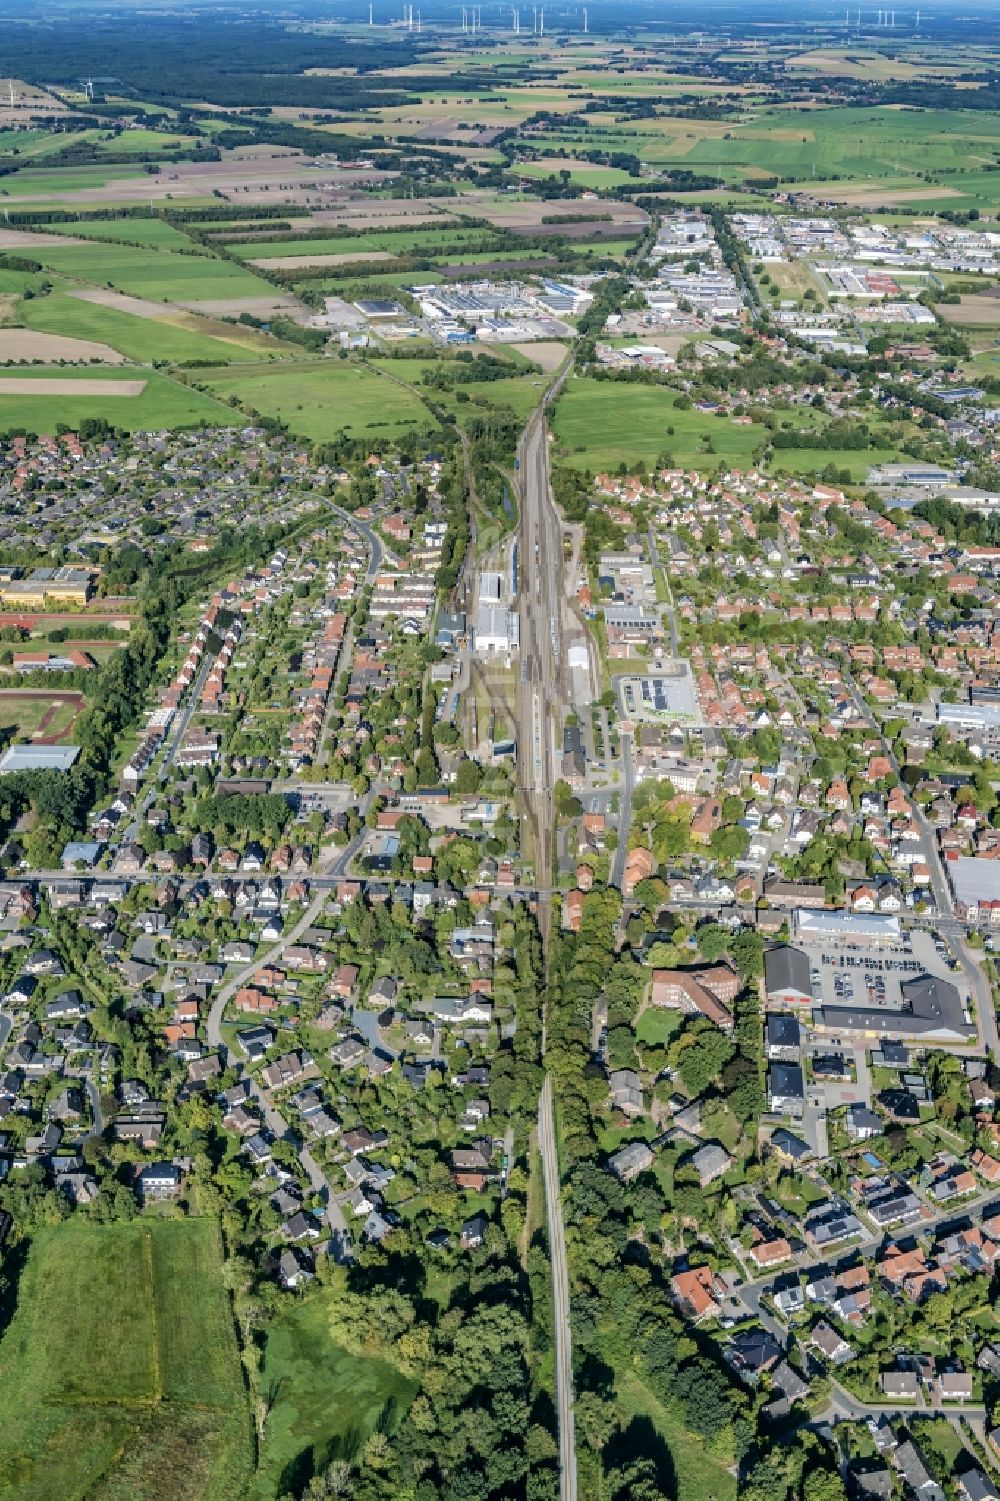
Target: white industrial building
[497, 631]
[498, 627]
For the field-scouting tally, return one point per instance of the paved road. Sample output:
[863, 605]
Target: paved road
[624, 813]
[94, 1096]
[333, 1214]
[751, 1293]
[346, 655]
[560, 1287]
[179, 729]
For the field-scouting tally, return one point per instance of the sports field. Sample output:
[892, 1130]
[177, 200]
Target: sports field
[601, 424]
[119, 1373]
[38, 715]
[163, 403]
[323, 399]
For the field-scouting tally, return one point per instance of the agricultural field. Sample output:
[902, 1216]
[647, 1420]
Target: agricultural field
[972, 312]
[864, 150]
[119, 1374]
[164, 276]
[600, 424]
[324, 399]
[358, 247]
[39, 184]
[328, 1400]
[174, 336]
[582, 173]
[163, 402]
[155, 232]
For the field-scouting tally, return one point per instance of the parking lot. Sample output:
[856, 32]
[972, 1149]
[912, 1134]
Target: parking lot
[851, 976]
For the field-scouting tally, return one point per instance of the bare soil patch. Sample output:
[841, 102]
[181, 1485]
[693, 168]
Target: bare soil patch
[547, 352]
[883, 197]
[979, 312]
[19, 385]
[522, 213]
[257, 307]
[592, 229]
[139, 307]
[293, 262]
[23, 239]
[495, 268]
[17, 344]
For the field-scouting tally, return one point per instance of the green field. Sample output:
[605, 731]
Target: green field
[162, 404]
[155, 232]
[656, 1026]
[815, 460]
[860, 146]
[322, 399]
[328, 1401]
[599, 424]
[700, 1476]
[29, 145]
[16, 281]
[119, 1374]
[521, 391]
[398, 241]
[164, 276]
[582, 174]
[177, 337]
[41, 182]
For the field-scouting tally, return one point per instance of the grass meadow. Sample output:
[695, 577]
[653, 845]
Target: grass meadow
[166, 276]
[163, 404]
[599, 424]
[176, 338]
[323, 399]
[328, 1401]
[119, 1374]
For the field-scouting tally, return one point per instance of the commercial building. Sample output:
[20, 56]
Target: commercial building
[972, 719]
[38, 758]
[932, 1010]
[786, 977]
[877, 929]
[975, 885]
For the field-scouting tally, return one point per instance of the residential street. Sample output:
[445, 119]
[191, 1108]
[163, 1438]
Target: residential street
[340, 1235]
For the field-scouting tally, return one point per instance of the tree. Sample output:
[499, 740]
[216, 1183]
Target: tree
[701, 1061]
[713, 941]
[823, 1485]
[468, 776]
[747, 950]
[596, 1418]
